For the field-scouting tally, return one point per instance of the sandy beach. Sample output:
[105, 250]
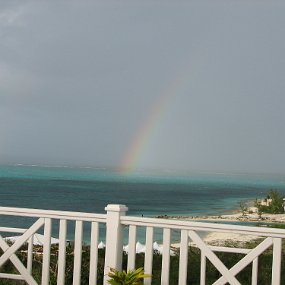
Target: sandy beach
[218, 238]
[222, 239]
[235, 216]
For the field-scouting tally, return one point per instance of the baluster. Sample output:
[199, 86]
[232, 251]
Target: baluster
[61, 252]
[183, 260]
[46, 252]
[276, 262]
[254, 274]
[77, 253]
[30, 254]
[203, 269]
[165, 257]
[148, 254]
[132, 247]
[93, 253]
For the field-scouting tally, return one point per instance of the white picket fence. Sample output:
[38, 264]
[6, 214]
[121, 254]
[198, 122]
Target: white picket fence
[116, 221]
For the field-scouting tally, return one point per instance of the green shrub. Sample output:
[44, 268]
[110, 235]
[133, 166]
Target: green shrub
[132, 277]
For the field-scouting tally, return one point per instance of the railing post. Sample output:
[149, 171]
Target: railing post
[114, 238]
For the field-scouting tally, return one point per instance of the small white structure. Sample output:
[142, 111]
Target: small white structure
[141, 248]
[158, 248]
[101, 245]
[266, 202]
[38, 239]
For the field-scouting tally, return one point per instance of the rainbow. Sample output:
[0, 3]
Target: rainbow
[143, 136]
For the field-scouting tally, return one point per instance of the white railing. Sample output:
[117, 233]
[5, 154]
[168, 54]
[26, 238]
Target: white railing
[189, 231]
[44, 219]
[116, 222]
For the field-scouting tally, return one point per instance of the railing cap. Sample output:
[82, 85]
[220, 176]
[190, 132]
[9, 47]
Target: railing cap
[116, 208]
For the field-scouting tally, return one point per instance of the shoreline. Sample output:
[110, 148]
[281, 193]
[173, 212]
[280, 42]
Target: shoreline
[267, 218]
[222, 238]
[234, 217]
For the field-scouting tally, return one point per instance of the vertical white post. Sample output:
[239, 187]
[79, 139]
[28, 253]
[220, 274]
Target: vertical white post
[183, 260]
[148, 254]
[61, 252]
[77, 252]
[114, 238]
[30, 254]
[203, 268]
[254, 274]
[276, 262]
[46, 252]
[165, 267]
[93, 253]
[132, 247]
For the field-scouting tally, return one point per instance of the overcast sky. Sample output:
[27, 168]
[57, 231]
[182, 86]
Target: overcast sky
[78, 80]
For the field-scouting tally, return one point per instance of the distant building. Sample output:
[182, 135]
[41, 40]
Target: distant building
[266, 202]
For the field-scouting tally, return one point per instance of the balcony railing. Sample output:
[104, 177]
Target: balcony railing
[115, 222]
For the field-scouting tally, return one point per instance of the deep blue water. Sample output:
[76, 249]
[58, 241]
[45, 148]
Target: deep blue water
[148, 194]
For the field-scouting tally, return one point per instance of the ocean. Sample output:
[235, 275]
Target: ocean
[145, 193]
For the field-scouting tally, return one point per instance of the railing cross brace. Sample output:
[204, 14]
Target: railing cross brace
[18, 264]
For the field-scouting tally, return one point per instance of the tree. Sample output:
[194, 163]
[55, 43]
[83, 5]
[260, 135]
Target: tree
[276, 205]
[259, 207]
[244, 208]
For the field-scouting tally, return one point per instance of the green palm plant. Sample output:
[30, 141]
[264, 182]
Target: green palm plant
[132, 277]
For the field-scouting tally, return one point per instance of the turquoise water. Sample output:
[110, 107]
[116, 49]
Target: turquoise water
[145, 193]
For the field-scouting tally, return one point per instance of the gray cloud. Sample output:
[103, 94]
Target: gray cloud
[78, 80]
